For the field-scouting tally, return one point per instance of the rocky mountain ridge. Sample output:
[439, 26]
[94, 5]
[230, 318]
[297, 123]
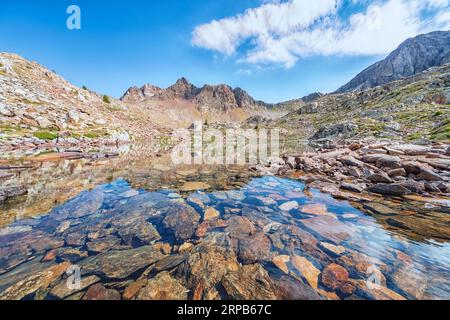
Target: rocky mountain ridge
[413, 56]
[39, 107]
[209, 97]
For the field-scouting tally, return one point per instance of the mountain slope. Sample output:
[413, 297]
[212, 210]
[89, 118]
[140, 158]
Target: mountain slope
[412, 57]
[37, 105]
[413, 108]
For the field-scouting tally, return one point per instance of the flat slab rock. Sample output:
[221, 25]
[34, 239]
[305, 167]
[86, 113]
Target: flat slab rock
[329, 228]
[120, 264]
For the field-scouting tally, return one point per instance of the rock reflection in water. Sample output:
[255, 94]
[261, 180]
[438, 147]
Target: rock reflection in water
[268, 239]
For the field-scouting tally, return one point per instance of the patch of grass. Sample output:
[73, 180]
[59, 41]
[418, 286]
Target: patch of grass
[442, 133]
[3, 73]
[114, 108]
[106, 99]
[26, 101]
[414, 136]
[8, 128]
[94, 134]
[45, 135]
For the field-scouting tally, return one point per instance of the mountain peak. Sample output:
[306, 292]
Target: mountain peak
[413, 56]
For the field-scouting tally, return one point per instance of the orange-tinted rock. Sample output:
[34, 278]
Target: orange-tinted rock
[307, 269]
[334, 276]
[280, 262]
[132, 290]
[99, 292]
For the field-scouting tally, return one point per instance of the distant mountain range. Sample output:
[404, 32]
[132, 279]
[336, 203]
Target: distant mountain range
[221, 97]
[413, 56]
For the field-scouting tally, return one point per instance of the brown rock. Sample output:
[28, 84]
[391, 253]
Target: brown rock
[429, 175]
[254, 248]
[194, 186]
[308, 270]
[316, 209]
[329, 228]
[33, 283]
[332, 249]
[182, 221]
[280, 262]
[99, 292]
[251, 282]
[120, 264]
[62, 291]
[400, 172]
[102, 244]
[211, 214]
[355, 146]
[351, 187]
[334, 276]
[163, 287]
[379, 208]
[375, 292]
[380, 177]
[133, 289]
[388, 189]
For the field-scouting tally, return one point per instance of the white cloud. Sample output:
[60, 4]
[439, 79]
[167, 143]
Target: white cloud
[283, 32]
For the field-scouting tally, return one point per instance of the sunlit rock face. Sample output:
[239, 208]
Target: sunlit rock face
[412, 57]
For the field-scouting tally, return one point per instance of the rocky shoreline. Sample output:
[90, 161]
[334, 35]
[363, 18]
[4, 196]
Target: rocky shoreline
[352, 171]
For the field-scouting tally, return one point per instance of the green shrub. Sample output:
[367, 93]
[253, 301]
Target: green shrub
[106, 99]
[45, 135]
[85, 88]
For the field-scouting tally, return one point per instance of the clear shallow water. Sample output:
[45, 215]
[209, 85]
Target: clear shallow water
[263, 222]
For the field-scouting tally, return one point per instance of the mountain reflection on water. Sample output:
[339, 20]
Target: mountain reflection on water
[142, 229]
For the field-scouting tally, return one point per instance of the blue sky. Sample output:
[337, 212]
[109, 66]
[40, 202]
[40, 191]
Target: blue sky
[276, 50]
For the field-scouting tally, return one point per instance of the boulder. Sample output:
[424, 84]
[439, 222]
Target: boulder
[388, 189]
[380, 177]
[351, 187]
[400, 172]
[428, 175]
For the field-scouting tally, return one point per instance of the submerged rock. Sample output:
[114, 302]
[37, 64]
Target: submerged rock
[329, 228]
[99, 292]
[307, 270]
[251, 282]
[335, 277]
[194, 186]
[182, 221]
[255, 248]
[120, 264]
[163, 287]
[62, 290]
[39, 280]
[102, 244]
[87, 203]
[379, 208]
